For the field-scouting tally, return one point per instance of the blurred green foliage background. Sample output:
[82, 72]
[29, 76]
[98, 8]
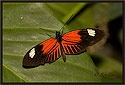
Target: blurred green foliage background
[101, 63]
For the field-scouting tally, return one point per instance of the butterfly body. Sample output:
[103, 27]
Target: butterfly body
[70, 43]
[58, 36]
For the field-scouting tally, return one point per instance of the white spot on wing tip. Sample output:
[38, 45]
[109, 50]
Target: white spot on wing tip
[32, 53]
[91, 32]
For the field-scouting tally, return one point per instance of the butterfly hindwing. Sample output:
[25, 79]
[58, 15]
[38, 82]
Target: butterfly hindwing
[76, 42]
[45, 52]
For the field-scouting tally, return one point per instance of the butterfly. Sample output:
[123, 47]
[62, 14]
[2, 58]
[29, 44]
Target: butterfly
[71, 43]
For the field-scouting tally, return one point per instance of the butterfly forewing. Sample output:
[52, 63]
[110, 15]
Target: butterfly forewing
[45, 52]
[76, 42]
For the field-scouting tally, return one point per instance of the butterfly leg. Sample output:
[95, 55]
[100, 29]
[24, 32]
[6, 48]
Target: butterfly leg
[62, 53]
[63, 56]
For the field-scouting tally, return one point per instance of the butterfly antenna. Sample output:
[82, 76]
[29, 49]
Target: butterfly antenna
[63, 27]
[66, 23]
[46, 33]
[49, 35]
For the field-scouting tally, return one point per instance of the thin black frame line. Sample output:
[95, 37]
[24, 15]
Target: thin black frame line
[60, 2]
[1, 42]
[50, 1]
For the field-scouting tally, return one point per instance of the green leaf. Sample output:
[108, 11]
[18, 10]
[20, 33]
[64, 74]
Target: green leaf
[95, 14]
[74, 11]
[10, 76]
[108, 68]
[109, 65]
[111, 80]
[80, 21]
[21, 23]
